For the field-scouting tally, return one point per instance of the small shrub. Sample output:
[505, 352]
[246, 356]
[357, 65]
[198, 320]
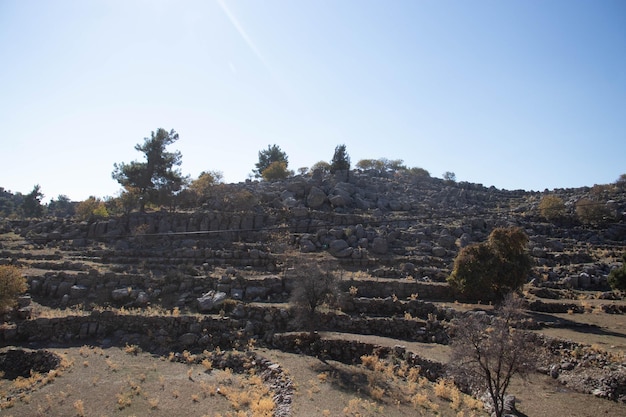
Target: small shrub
[123, 400]
[617, 277]
[208, 365]
[153, 403]
[79, 407]
[132, 349]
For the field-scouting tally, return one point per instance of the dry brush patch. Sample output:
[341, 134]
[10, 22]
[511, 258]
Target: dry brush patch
[120, 380]
[387, 386]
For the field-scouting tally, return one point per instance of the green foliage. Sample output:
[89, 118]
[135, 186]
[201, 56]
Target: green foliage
[124, 203]
[617, 277]
[621, 182]
[368, 164]
[488, 271]
[381, 165]
[341, 160]
[322, 166]
[419, 172]
[272, 154]
[276, 171]
[552, 207]
[590, 211]
[449, 176]
[230, 198]
[31, 206]
[200, 189]
[155, 180]
[92, 207]
[61, 207]
[12, 284]
[9, 203]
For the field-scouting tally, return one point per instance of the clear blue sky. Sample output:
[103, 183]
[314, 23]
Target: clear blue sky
[516, 94]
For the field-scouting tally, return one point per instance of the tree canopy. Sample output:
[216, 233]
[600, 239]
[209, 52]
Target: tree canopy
[267, 157]
[156, 179]
[31, 206]
[490, 270]
[341, 160]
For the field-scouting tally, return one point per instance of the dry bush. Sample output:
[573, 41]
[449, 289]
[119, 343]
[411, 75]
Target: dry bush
[12, 284]
[79, 407]
[487, 352]
[315, 283]
[552, 207]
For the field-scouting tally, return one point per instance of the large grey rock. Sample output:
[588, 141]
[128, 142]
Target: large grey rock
[379, 245]
[78, 291]
[347, 252]
[340, 200]
[120, 294]
[337, 246]
[188, 339]
[64, 288]
[465, 240]
[211, 301]
[307, 246]
[439, 251]
[142, 298]
[256, 292]
[538, 252]
[236, 293]
[316, 198]
[584, 280]
[570, 281]
[447, 241]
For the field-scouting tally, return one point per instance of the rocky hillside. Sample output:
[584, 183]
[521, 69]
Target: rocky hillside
[389, 225]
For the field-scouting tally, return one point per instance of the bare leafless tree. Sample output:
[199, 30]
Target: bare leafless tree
[314, 283]
[487, 351]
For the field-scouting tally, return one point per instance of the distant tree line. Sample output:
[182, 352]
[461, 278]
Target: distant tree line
[156, 182]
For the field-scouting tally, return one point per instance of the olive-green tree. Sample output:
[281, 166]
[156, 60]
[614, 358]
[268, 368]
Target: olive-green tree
[621, 182]
[617, 277]
[449, 177]
[591, 211]
[156, 179]
[341, 160]
[276, 171]
[322, 166]
[12, 284]
[488, 271]
[272, 154]
[201, 188]
[31, 205]
[551, 207]
[61, 207]
[93, 207]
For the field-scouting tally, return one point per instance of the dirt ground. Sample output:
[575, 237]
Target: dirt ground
[113, 382]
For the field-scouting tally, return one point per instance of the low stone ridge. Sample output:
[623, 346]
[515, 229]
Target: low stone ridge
[22, 363]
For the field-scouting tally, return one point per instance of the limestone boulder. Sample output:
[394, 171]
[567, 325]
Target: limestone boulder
[316, 198]
[211, 301]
